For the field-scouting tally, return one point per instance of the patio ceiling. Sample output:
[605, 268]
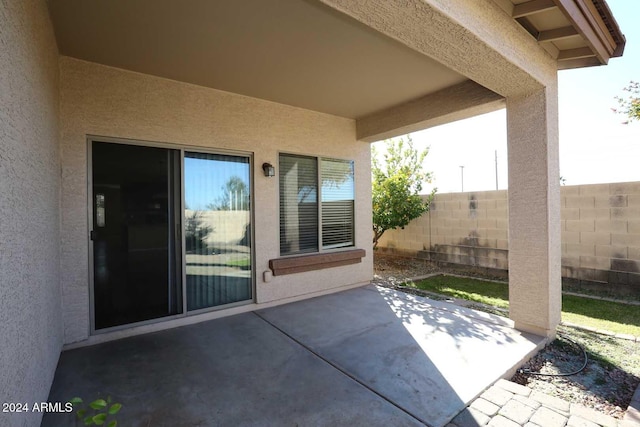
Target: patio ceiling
[299, 53]
[303, 53]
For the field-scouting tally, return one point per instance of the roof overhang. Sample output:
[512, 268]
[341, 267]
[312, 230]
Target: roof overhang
[367, 61]
[294, 52]
[577, 33]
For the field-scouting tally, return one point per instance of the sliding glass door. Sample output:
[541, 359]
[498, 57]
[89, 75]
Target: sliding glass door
[136, 273]
[217, 229]
[149, 252]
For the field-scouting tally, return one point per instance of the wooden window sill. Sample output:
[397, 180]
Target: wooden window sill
[299, 264]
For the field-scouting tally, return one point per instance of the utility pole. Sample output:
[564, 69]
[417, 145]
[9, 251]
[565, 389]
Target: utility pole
[496, 170]
[462, 178]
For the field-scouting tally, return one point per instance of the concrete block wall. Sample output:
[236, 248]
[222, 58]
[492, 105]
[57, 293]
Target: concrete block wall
[600, 235]
[468, 229]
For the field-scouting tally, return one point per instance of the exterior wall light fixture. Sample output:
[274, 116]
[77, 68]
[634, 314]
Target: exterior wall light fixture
[269, 170]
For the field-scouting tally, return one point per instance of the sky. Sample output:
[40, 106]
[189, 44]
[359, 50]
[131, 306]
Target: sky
[595, 146]
[205, 177]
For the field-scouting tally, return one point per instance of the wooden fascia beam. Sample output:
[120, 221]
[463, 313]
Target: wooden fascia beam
[590, 26]
[610, 22]
[464, 100]
[570, 64]
[557, 34]
[577, 53]
[532, 7]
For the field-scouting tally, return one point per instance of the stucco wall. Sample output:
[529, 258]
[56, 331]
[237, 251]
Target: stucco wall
[600, 234]
[508, 62]
[29, 191]
[105, 101]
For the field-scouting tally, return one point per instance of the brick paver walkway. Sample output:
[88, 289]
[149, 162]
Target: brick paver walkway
[507, 404]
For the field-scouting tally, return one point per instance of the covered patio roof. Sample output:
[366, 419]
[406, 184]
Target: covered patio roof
[308, 54]
[390, 68]
[258, 78]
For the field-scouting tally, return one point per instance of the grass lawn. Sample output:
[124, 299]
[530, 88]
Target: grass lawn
[610, 316]
[242, 262]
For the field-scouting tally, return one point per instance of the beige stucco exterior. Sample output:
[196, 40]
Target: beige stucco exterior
[104, 101]
[534, 211]
[511, 64]
[508, 62]
[478, 56]
[30, 300]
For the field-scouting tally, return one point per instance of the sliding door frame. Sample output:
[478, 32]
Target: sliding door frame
[90, 224]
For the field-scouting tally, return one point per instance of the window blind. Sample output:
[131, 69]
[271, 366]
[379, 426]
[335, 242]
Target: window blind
[337, 195]
[298, 204]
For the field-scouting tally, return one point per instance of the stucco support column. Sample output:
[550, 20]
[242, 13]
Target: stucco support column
[534, 211]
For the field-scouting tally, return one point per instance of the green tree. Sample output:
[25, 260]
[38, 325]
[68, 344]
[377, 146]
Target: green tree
[196, 233]
[630, 105]
[397, 183]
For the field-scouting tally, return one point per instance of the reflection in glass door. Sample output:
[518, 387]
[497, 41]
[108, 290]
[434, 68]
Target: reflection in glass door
[217, 229]
[148, 254]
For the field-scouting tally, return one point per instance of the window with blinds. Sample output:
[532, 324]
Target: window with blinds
[306, 226]
[298, 204]
[337, 203]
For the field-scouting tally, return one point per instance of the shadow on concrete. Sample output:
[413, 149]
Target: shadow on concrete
[428, 358]
[368, 356]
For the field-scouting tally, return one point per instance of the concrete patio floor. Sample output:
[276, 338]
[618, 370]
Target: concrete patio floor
[367, 356]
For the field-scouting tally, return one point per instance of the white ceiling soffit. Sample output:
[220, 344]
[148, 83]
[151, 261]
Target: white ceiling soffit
[295, 52]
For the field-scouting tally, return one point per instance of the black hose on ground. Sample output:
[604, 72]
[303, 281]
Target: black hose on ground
[562, 374]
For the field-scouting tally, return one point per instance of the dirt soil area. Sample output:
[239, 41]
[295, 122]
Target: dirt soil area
[605, 384]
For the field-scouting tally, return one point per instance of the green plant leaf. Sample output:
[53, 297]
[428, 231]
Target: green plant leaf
[115, 408]
[396, 186]
[88, 421]
[98, 404]
[82, 413]
[75, 401]
[100, 419]
[113, 423]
